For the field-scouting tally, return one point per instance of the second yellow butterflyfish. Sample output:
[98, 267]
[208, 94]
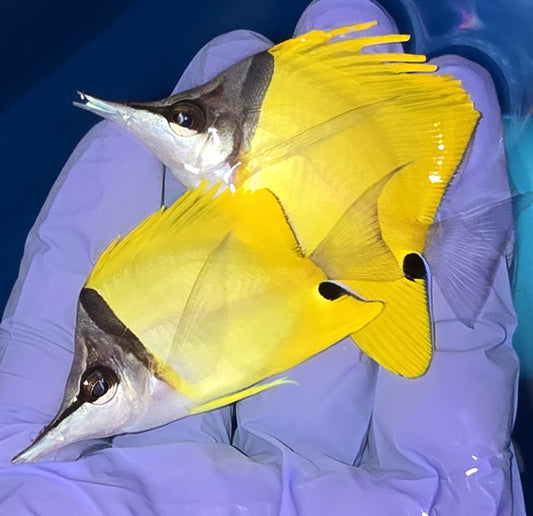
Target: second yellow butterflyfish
[194, 307]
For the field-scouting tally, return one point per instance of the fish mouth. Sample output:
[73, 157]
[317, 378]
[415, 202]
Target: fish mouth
[35, 450]
[49, 439]
[113, 110]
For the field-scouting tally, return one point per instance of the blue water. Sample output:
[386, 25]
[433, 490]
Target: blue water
[136, 49]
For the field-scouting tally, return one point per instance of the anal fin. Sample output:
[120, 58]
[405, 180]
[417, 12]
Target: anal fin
[400, 339]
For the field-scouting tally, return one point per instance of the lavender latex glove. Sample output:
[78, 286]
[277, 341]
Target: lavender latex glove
[437, 445]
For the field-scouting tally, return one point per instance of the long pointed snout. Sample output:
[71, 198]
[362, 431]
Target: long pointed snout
[43, 445]
[52, 437]
[149, 123]
[119, 112]
[194, 143]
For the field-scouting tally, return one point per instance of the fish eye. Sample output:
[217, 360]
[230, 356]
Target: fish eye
[98, 385]
[187, 119]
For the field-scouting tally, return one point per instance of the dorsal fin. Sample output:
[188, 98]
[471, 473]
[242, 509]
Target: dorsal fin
[151, 230]
[163, 256]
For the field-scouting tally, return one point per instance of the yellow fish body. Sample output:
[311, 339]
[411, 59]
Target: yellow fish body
[318, 120]
[191, 310]
[235, 279]
[319, 144]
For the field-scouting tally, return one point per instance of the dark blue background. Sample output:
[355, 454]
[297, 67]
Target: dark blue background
[128, 49]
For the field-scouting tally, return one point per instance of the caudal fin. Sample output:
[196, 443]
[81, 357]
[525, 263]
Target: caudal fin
[463, 253]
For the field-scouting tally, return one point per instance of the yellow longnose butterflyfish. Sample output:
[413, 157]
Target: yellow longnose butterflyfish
[318, 120]
[199, 304]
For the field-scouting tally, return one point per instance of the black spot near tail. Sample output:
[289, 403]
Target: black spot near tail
[331, 291]
[414, 267]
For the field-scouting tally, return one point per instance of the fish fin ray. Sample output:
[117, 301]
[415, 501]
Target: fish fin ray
[463, 252]
[401, 338]
[197, 308]
[354, 248]
[355, 118]
[114, 257]
[389, 76]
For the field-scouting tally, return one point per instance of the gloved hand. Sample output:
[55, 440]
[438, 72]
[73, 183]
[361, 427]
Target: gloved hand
[436, 445]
